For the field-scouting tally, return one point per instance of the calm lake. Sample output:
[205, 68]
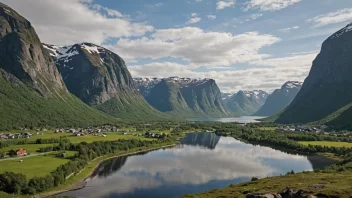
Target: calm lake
[241, 119]
[202, 162]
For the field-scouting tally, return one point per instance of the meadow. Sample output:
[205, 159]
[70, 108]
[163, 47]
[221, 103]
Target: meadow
[331, 185]
[33, 166]
[326, 143]
[30, 148]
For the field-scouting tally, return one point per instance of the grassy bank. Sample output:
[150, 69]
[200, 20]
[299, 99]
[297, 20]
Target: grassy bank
[323, 184]
[326, 143]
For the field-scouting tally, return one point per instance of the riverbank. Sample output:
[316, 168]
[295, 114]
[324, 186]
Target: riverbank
[78, 181]
[318, 184]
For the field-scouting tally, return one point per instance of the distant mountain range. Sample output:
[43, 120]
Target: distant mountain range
[245, 103]
[279, 99]
[326, 95]
[183, 97]
[101, 79]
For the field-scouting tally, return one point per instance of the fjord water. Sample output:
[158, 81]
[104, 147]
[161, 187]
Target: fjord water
[203, 161]
[241, 119]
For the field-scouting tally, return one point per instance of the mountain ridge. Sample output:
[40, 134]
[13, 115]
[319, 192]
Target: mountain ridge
[327, 89]
[100, 78]
[245, 103]
[279, 99]
[202, 96]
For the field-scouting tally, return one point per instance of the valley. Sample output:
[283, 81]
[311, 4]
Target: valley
[128, 109]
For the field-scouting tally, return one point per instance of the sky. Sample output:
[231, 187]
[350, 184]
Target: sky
[242, 44]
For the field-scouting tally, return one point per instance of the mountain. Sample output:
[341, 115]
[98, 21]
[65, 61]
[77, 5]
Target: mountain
[279, 99]
[32, 91]
[225, 97]
[326, 93]
[183, 97]
[101, 79]
[246, 103]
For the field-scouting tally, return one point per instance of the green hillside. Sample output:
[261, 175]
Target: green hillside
[21, 106]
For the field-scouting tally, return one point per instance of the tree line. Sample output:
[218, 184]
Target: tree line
[15, 183]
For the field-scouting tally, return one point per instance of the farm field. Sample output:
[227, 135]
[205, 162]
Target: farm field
[111, 136]
[33, 166]
[30, 148]
[326, 143]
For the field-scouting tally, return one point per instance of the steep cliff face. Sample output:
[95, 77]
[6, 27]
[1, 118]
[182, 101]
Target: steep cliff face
[279, 99]
[22, 55]
[32, 92]
[101, 79]
[184, 97]
[167, 97]
[246, 103]
[328, 88]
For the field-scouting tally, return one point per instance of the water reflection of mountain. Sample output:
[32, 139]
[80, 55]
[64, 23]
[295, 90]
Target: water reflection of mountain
[207, 140]
[109, 166]
[319, 162]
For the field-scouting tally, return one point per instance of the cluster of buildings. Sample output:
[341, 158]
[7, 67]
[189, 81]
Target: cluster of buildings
[16, 136]
[154, 135]
[304, 128]
[96, 131]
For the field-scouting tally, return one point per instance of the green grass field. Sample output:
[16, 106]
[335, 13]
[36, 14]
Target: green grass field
[111, 136]
[32, 166]
[30, 148]
[267, 128]
[326, 143]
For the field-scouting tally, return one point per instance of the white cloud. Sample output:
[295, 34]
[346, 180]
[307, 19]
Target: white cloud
[71, 21]
[253, 17]
[339, 16]
[193, 19]
[302, 59]
[289, 29]
[269, 5]
[155, 5]
[197, 47]
[211, 17]
[110, 12]
[222, 4]
[273, 76]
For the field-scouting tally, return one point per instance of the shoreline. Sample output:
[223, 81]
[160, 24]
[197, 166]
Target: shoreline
[82, 183]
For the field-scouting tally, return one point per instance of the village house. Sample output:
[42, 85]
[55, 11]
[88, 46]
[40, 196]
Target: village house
[19, 152]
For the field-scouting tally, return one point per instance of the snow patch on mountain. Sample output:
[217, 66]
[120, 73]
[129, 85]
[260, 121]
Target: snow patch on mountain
[259, 94]
[292, 85]
[148, 83]
[181, 81]
[344, 30]
[65, 53]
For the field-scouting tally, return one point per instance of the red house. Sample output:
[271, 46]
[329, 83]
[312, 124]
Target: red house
[19, 152]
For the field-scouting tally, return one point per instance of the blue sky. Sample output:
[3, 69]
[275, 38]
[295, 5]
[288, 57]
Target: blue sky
[243, 44]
